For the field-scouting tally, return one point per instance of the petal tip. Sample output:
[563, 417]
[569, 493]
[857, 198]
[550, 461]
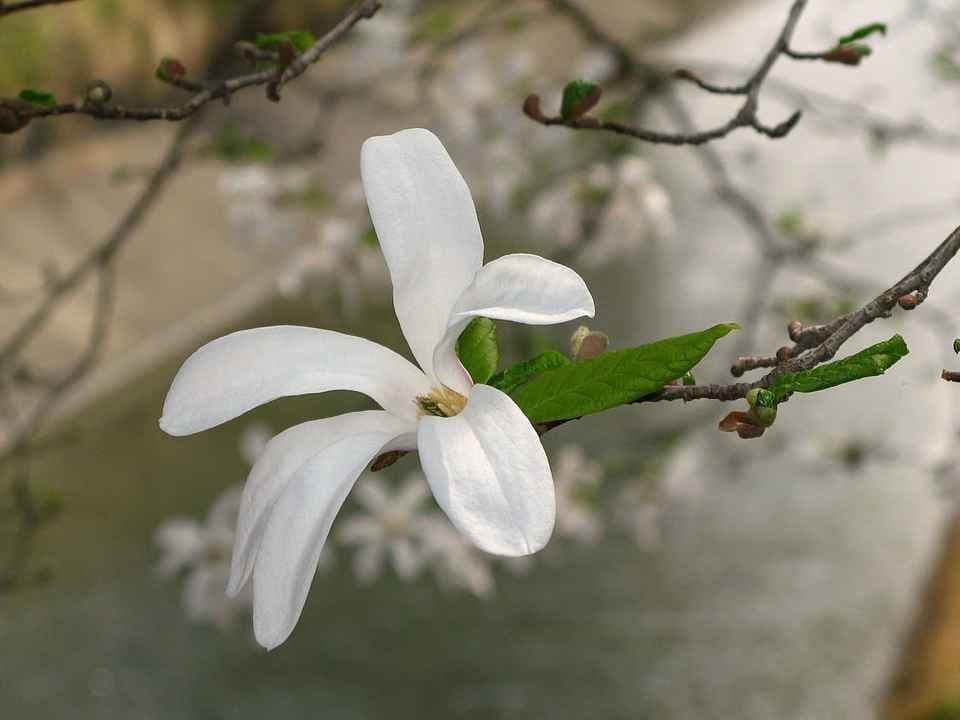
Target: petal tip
[169, 426]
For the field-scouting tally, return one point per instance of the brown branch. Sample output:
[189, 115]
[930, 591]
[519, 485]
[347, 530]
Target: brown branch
[8, 8]
[223, 90]
[745, 117]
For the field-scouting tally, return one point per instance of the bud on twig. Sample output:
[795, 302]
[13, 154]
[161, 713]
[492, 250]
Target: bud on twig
[170, 70]
[98, 93]
[386, 459]
[848, 54]
[784, 353]
[531, 108]
[794, 329]
[586, 343]
[908, 302]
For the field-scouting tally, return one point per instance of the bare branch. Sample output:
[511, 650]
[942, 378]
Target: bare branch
[204, 94]
[8, 8]
[745, 117]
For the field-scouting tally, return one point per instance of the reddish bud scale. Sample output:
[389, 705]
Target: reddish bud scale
[531, 108]
[908, 302]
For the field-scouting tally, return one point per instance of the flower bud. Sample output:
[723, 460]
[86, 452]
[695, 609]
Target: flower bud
[794, 329]
[763, 406]
[531, 108]
[908, 302]
[98, 92]
[586, 343]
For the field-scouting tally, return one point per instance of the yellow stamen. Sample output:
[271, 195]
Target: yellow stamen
[442, 402]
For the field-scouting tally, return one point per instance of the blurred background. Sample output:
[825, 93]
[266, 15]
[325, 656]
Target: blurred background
[808, 574]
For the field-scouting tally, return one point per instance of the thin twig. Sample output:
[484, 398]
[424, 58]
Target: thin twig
[8, 8]
[746, 116]
[223, 90]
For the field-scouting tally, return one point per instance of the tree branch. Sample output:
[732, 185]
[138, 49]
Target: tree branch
[8, 8]
[204, 94]
[750, 89]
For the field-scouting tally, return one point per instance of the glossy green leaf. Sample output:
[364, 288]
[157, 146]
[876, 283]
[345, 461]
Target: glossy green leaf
[478, 349]
[956, 346]
[514, 376]
[863, 31]
[579, 97]
[614, 378]
[38, 97]
[874, 360]
[300, 39]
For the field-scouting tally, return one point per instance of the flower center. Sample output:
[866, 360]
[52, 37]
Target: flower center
[442, 402]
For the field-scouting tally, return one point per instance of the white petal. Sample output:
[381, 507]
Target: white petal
[283, 456]
[522, 288]
[233, 374]
[428, 229]
[298, 527]
[489, 473]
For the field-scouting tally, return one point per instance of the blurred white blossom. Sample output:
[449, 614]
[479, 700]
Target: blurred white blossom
[578, 480]
[638, 512]
[340, 260]
[456, 564]
[388, 528]
[250, 193]
[201, 552]
[396, 528]
[638, 209]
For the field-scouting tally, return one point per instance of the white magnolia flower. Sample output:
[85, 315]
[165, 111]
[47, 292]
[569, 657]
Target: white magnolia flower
[481, 456]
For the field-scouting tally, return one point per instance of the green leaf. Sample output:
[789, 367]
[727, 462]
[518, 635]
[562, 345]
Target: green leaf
[956, 346]
[874, 360]
[478, 350]
[38, 97]
[863, 31]
[614, 378]
[516, 375]
[579, 96]
[300, 39]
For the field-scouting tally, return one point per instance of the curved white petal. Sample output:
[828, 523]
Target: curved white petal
[298, 527]
[428, 229]
[489, 473]
[522, 288]
[282, 457]
[233, 374]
